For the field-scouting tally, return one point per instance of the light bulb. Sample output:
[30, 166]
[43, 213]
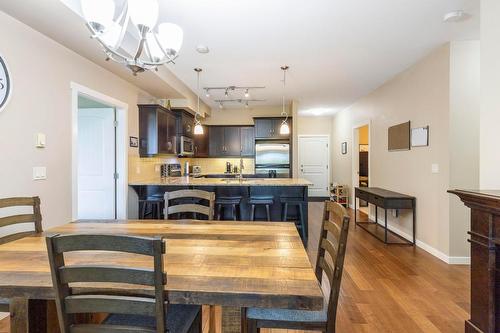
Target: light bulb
[207, 93]
[98, 13]
[144, 12]
[247, 94]
[156, 52]
[246, 105]
[111, 36]
[221, 106]
[198, 129]
[284, 128]
[226, 93]
[170, 36]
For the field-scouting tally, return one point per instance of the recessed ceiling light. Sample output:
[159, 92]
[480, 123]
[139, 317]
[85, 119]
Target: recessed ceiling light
[202, 49]
[455, 16]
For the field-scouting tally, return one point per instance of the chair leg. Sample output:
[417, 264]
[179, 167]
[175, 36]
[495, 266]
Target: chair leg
[268, 214]
[252, 326]
[143, 211]
[233, 211]
[285, 212]
[219, 209]
[239, 213]
[158, 211]
[252, 213]
[302, 224]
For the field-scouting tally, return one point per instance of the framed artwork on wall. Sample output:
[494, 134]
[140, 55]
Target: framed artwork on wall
[420, 136]
[134, 142]
[344, 147]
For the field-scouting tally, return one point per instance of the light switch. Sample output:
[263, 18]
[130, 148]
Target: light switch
[40, 140]
[39, 173]
[435, 168]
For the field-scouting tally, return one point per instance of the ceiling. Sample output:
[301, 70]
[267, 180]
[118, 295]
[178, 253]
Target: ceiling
[337, 50]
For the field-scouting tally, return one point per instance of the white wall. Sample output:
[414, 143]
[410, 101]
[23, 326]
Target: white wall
[42, 71]
[490, 96]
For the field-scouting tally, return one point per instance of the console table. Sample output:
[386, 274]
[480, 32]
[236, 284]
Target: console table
[386, 200]
[485, 260]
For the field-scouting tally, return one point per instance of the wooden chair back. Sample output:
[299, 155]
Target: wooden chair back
[35, 217]
[333, 240]
[117, 301]
[190, 207]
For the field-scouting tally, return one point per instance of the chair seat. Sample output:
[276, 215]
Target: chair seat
[180, 317]
[261, 200]
[296, 316]
[228, 200]
[4, 305]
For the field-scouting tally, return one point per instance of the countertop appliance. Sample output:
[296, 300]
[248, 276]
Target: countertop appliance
[174, 170]
[273, 159]
[195, 171]
[186, 146]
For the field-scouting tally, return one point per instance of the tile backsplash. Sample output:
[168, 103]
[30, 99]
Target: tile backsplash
[141, 168]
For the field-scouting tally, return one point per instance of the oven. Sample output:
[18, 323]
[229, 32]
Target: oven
[186, 146]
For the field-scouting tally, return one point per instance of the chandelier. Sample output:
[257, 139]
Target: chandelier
[158, 44]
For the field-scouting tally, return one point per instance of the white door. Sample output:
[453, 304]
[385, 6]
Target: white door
[96, 163]
[313, 164]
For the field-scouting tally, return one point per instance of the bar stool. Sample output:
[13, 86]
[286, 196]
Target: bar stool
[299, 219]
[235, 204]
[151, 206]
[257, 200]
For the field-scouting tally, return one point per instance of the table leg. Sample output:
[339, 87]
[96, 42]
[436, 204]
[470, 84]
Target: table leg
[385, 218]
[355, 213]
[376, 214]
[28, 315]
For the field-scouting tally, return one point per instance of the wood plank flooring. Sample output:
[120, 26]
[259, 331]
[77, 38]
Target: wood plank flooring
[390, 288]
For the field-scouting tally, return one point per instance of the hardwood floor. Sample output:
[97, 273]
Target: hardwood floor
[390, 288]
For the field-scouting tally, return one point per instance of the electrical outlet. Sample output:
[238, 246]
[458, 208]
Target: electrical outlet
[435, 168]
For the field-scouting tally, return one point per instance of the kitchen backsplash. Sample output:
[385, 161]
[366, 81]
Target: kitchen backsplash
[148, 168]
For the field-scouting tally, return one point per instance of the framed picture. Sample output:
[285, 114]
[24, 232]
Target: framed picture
[344, 147]
[420, 136]
[134, 141]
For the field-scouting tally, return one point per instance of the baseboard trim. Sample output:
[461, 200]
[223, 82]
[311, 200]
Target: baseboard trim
[426, 247]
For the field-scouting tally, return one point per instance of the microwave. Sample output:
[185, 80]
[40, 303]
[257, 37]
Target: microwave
[186, 146]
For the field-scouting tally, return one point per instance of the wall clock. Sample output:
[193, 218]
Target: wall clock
[5, 84]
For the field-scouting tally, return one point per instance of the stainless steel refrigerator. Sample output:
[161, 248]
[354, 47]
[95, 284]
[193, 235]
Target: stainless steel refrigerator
[273, 159]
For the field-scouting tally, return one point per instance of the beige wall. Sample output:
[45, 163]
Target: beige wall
[490, 97]
[464, 136]
[41, 72]
[420, 94]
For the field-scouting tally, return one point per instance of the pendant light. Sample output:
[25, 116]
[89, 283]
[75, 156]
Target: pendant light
[198, 129]
[284, 128]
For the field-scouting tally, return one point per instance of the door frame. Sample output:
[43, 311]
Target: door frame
[329, 173]
[355, 150]
[121, 147]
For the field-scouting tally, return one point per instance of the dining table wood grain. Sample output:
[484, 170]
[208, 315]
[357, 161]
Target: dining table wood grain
[228, 263]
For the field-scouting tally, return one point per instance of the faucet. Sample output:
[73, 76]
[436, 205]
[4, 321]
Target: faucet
[242, 166]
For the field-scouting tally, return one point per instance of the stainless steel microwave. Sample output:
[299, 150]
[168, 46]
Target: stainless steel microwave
[186, 146]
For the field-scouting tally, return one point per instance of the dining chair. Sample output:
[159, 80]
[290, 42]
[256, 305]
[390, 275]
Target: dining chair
[194, 208]
[333, 241]
[129, 310]
[9, 220]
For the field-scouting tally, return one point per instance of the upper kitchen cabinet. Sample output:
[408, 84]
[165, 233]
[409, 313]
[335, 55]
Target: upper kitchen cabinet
[185, 123]
[157, 130]
[201, 143]
[269, 128]
[224, 141]
[247, 141]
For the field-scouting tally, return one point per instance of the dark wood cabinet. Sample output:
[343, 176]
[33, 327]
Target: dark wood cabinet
[269, 128]
[247, 141]
[185, 123]
[201, 143]
[157, 130]
[224, 141]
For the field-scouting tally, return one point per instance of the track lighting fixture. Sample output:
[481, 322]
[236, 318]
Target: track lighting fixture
[221, 106]
[244, 102]
[244, 91]
[207, 93]
[247, 94]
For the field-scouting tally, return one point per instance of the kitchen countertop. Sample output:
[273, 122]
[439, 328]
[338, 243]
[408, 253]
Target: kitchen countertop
[190, 181]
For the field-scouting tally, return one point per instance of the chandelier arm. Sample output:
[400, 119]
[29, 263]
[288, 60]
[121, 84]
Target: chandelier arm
[125, 16]
[140, 47]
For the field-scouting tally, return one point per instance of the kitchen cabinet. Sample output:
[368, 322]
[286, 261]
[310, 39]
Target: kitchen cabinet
[157, 130]
[247, 141]
[185, 123]
[201, 143]
[224, 141]
[269, 128]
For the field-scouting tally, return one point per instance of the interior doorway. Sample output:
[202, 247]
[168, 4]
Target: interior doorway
[360, 161]
[314, 160]
[99, 155]
[97, 173]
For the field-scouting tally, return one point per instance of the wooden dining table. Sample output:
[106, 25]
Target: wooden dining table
[236, 264]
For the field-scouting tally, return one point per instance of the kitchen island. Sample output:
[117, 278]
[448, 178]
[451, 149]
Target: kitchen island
[226, 187]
